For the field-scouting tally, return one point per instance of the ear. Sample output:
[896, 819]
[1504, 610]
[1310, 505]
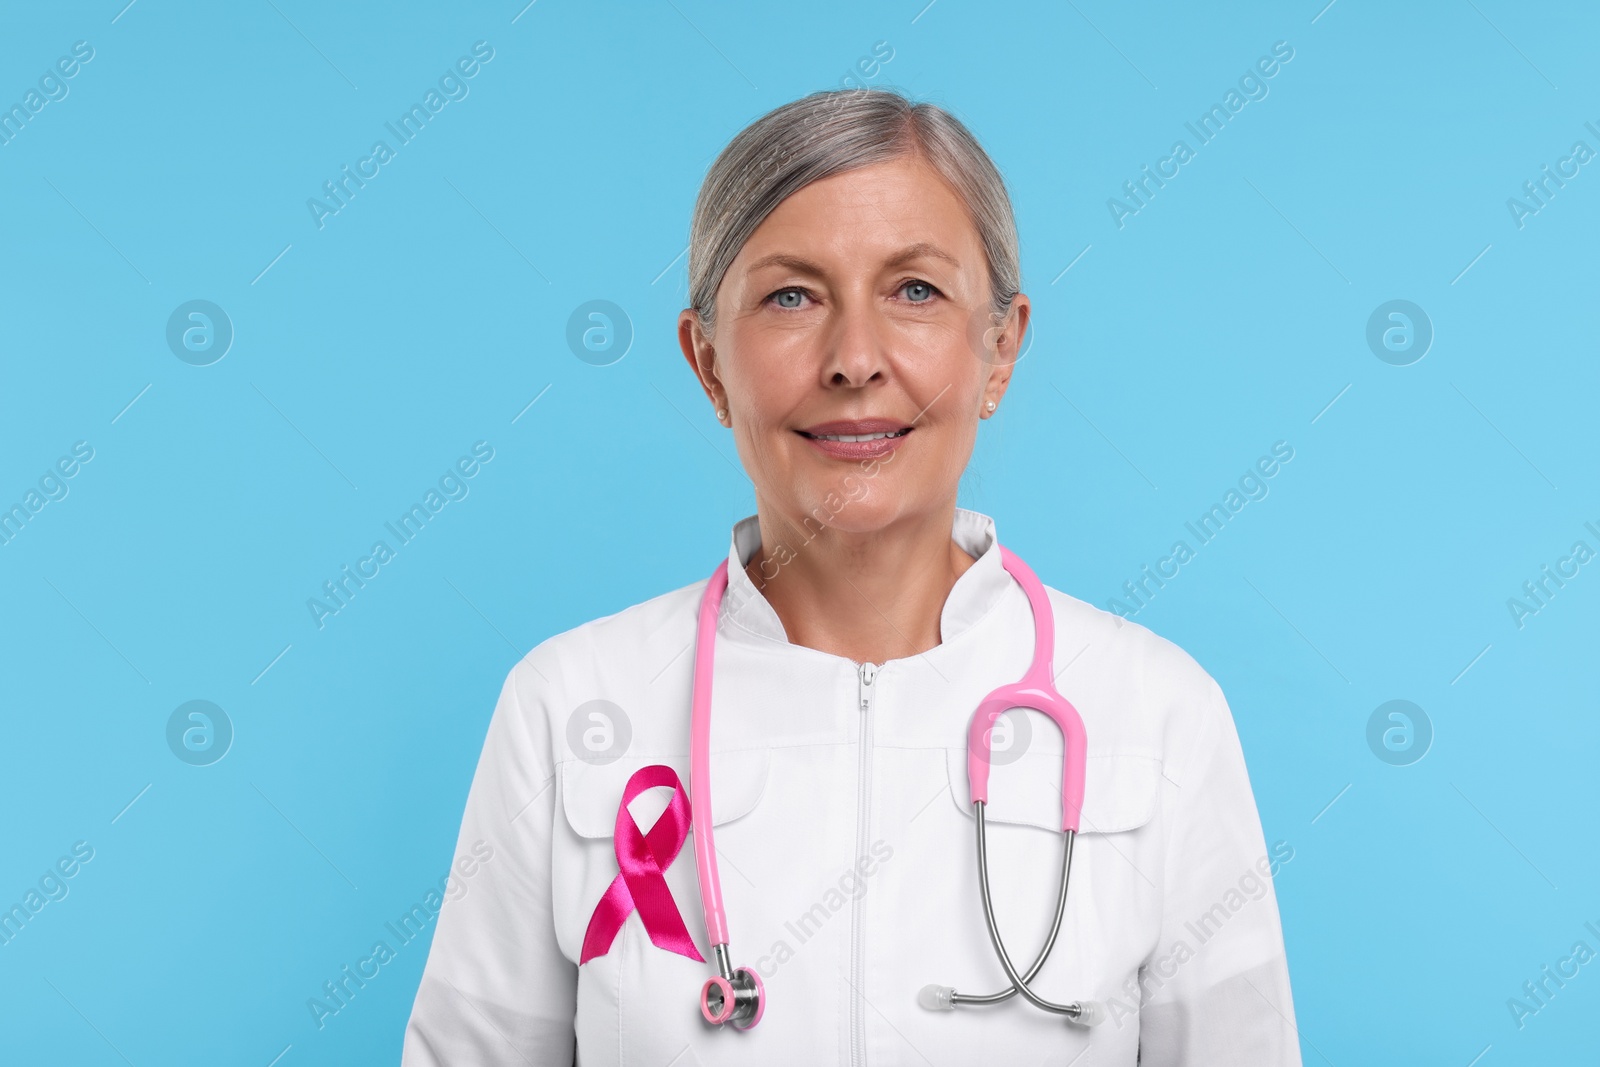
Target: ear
[702, 356]
[1008, 349]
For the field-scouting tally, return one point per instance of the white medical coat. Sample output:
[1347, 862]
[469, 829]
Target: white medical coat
[845, 840]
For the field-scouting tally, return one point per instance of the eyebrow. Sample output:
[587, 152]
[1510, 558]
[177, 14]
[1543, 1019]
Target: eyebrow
[920, 250]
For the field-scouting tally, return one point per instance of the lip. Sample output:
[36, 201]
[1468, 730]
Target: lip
[856, 426]
[857, 450]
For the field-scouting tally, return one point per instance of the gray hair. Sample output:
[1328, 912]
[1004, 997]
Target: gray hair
[827, 133]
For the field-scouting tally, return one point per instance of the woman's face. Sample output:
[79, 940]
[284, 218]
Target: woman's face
[858, 309]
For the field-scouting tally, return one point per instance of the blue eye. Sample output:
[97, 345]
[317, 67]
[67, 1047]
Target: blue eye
[919, 292]
[788, 298]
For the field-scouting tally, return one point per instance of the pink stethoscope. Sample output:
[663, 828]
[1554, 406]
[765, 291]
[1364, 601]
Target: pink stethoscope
[735, 994]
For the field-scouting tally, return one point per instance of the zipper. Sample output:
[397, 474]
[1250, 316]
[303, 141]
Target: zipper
[865, 673]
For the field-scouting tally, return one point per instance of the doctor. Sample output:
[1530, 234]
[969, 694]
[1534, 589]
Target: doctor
[856, 313]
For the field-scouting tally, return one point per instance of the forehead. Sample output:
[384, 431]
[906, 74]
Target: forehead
[872, 211]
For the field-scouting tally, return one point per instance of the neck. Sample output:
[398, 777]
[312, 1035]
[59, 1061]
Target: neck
[871, 596]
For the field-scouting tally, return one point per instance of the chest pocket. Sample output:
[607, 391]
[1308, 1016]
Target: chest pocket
[584, 863]
[591, 793]
[1119, 791]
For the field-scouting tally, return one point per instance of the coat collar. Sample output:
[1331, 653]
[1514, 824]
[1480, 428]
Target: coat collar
[976, 592]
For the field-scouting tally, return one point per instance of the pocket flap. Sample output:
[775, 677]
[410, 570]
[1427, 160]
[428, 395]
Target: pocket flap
[1119, 791]
[590, 793]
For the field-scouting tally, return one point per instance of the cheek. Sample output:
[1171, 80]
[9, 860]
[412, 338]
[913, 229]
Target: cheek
[954, 350]
[764, 452]
[761, 394]
[768, 377]
[957, 440]
[944, 380]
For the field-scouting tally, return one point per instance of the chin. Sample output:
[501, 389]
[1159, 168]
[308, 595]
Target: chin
[860, 507]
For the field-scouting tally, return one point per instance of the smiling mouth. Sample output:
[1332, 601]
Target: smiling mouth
[854, 437]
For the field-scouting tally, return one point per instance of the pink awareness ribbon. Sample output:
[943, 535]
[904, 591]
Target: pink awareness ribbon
[639, 883]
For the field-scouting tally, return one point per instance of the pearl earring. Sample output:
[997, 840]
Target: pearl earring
[722, 414]
[991, 405]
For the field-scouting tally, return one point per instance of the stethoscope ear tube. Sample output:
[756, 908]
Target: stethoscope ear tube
[944, 998]
[1086, 1013]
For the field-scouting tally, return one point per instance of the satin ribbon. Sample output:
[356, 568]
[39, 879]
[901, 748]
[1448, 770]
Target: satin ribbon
[639, 884]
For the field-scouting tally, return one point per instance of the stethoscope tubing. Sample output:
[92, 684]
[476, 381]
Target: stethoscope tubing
[735, 994]
[705, 852]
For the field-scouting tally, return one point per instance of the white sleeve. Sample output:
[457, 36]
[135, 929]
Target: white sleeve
[1215, 991]
[496, 989]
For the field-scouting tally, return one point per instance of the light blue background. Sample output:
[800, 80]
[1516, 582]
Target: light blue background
[1226, 315]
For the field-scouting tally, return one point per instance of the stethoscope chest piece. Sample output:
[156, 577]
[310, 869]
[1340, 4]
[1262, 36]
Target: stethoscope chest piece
[733, 996]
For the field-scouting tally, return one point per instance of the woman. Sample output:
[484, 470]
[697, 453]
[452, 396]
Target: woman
[856, 312]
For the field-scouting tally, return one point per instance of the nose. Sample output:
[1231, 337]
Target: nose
[856, 345]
